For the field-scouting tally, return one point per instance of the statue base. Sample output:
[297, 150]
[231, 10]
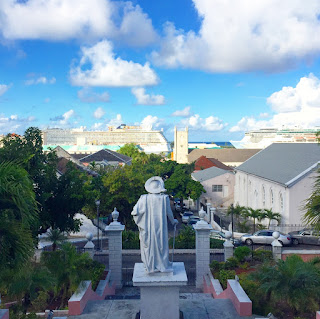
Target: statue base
[159, 293]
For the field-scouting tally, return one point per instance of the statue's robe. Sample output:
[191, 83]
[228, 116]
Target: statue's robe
[150, 214]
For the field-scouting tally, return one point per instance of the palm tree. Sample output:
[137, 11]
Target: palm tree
[237, 211]
[252, 213]
[18, 218]
[56, 237]
[268, 213]
[291, 282]
[28, 282]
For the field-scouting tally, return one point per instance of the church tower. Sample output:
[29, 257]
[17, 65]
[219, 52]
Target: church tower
[180, 148]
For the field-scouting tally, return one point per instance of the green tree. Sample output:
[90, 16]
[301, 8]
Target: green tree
[56, 237]
[290, 282]
[18, 218]
[26, 284]
[268, 213]
[312, 215]
[70, 268]
[130, 150]
[180, 184]
[255, 214]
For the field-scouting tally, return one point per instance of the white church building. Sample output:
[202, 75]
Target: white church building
[279, 177]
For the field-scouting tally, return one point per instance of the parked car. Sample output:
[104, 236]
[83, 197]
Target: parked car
[178, 207]
[264, 237]
[305, 236]
[193, 220]
[186, 216]
[217, 234]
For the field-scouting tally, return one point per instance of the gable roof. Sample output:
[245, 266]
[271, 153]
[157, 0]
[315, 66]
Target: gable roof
[219, 164]
[224, 155]
[209, 173]
[106, 155]
[283, 163]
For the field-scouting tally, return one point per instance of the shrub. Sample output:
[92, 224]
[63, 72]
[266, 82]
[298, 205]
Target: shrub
[224, 275]
[231, 263]
[262, 255]
[130, 239]
[186, 239]
[241, 253]
[245, 265]
[216, 243]
[215, 265]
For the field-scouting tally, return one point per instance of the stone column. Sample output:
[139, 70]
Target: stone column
[114, 234]
[209, 213]
[89, 246]
[228, 246]
[202, 229]
[276, 246]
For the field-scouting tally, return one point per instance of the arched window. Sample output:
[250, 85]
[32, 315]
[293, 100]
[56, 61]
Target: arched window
[263, 196]
[271, 197]
[256, 199]
[281, 202]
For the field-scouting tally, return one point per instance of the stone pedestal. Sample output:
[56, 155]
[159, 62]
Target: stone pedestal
[114, 233]
[276, 246]
[202, 229]
[160, 291]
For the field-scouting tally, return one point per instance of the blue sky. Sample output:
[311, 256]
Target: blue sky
[219, 67]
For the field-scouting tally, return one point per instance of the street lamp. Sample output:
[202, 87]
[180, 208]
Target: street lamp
[98, 205]
[231, 206]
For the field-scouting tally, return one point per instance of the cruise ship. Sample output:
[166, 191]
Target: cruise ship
[264, 137]
[82, 141]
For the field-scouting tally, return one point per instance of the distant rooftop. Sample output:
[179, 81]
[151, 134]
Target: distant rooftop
[209, 173]
[283, 163]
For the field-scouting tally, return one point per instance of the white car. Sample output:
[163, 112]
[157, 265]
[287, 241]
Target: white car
[264, 237]
[186, 216]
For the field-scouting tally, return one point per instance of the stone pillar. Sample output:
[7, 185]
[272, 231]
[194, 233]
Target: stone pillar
[228, 246]
[276, 246]
[202, 229]
[209, 213]
[114, 234]
[89, 246]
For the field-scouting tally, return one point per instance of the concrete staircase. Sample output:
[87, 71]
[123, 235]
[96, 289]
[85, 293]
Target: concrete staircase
[193, 306]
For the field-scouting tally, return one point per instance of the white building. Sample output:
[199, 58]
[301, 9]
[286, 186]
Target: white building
[280, 178]
[218, 184]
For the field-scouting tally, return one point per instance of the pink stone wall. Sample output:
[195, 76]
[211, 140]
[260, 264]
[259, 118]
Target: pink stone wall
[318, 315]
[243, 308]
[5, 315]
[305, 257]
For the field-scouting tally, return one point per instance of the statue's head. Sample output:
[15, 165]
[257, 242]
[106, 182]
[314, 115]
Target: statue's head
[155, 185]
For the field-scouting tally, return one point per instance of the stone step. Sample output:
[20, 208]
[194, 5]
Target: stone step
[204, 308]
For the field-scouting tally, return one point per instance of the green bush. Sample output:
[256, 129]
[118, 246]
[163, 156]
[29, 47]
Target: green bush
[130, 239]
[262, 255]
[231, 263]
[215, 265]
[241, 253]
[186, 239]
[224, 275]
[216, 243]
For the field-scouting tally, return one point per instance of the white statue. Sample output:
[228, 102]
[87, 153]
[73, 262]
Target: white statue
[150, 214]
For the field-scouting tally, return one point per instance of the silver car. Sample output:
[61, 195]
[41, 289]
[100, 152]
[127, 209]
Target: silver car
[217, 234]
[306, 236]
[186, 216]
[264, 237]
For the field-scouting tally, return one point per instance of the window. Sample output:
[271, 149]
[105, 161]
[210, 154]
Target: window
[271, 197]
[263, 196]
[281, 201]
[217, 188]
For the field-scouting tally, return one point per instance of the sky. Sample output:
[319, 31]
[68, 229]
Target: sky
[220, 67]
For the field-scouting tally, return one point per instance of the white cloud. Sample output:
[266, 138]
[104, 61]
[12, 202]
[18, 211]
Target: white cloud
[211, 123]
[88, 96]
[99, 113]
[243, 35]
[98, 126]
[116, 121]
[293, 106]
[107, 70]
[264, 115]
[40, 80]
[75, 19]
[64, 119]
[182, 113]
[4, 88]
[147, 99]
[152, 122]
[14, 124]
